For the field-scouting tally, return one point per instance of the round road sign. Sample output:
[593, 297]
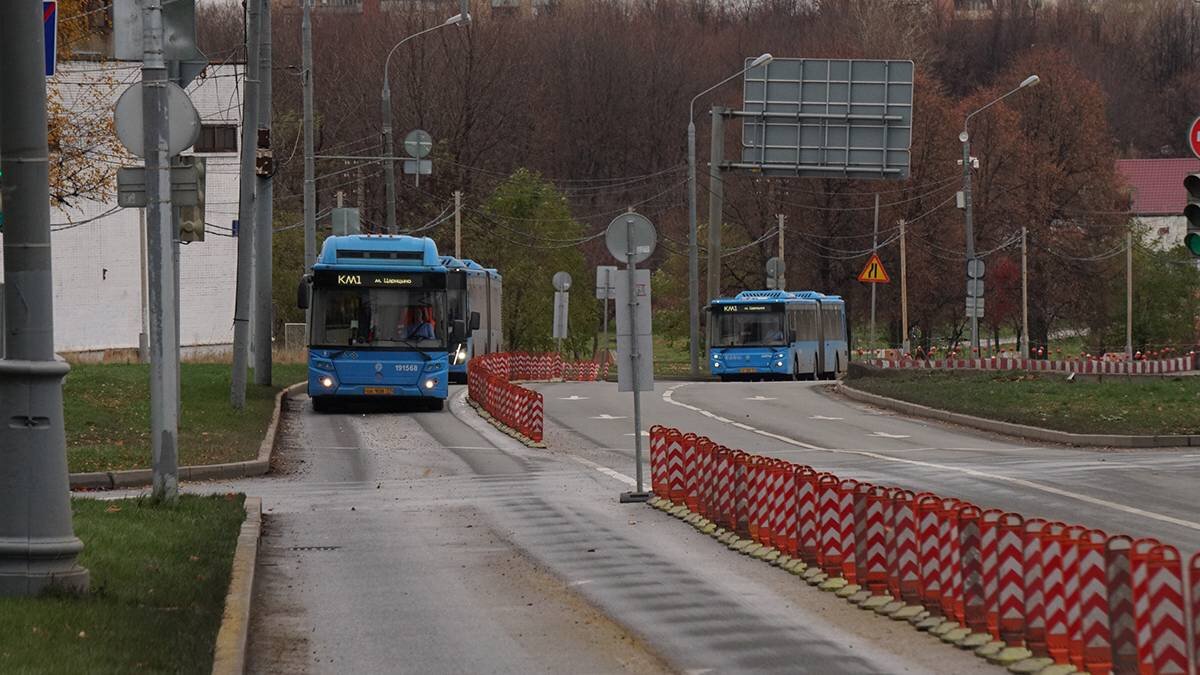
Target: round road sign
[418, 143]
[631, 232]
[1194, 137]
[183, 122]
[562, 281]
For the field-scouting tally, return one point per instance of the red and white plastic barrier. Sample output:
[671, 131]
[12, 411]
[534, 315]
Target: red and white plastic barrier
[490, 383]
[1096, 602]
[1081, 366]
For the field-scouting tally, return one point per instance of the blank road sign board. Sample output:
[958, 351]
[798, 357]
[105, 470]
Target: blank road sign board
[846, 118]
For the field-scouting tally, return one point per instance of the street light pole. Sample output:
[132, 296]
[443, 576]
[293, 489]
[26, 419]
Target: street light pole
[968, 208]
[385, 102]
[693, 244]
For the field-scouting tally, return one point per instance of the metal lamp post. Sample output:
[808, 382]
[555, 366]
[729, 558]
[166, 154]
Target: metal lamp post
[386, 103]
[693, 249]
[965, 137]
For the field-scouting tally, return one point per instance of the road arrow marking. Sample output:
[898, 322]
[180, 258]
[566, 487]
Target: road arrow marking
[884, 434]
[606, 416]
[822, 417]
[573, 397]
[760, 398]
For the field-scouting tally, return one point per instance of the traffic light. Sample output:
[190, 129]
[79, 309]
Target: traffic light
[1191, 183]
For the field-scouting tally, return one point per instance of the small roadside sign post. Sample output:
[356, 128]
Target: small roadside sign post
[631, 238]
[562, 284]
[1194, 137]
[606, 276]
[50, 28]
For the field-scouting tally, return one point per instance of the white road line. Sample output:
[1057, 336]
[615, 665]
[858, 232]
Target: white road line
[573, 397]
[606, 416]
[1192, 525]
[606, 471]
[884, 434]
[824, 418]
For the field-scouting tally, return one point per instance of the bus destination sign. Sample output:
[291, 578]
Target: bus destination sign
[366, 279]
[746, 309]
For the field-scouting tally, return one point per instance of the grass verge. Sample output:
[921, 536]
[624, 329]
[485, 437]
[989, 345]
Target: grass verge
[159, 575]
[107, 413]
[1112, 406]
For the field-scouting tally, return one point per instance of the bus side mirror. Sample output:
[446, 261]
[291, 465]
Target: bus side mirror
[474, 320]
[302, 293]
[458, 330]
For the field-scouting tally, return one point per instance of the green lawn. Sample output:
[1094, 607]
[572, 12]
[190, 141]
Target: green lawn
[159, 576]
[107, 414]
[1115, 405]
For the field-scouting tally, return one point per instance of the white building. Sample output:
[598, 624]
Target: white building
[99, 283]
[1157, 195]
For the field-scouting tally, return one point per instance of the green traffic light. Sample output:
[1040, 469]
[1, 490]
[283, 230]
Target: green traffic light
[1192, 242]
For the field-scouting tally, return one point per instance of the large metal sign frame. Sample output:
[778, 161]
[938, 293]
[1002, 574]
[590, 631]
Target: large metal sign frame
[828, 118]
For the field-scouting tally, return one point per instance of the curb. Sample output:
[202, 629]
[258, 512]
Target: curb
[1019, 430]
[229, 654]
[132, 478]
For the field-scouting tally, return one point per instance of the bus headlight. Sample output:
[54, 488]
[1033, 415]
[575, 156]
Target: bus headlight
[716, 364]
[779, 364]
[716, 357]
[460, 355]
[327, 382]
[430, 383]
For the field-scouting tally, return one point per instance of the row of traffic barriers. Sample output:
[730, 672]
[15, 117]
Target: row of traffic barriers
[490, 384]
[544, 367]
[1015, 588]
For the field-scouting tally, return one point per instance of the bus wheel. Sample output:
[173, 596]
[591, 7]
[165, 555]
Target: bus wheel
[436, 404]
[320, 404]
[796, 376]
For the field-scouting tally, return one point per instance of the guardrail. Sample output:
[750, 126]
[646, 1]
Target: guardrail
[1081, 366]
[1101, 603]
[490, 383]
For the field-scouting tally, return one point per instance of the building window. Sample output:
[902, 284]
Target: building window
[217, 138]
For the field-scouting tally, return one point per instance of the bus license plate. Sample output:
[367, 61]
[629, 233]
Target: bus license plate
[749, 370]
[377, 391]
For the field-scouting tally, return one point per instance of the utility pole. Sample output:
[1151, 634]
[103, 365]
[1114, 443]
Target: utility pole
[160, 237]
[970, 225]
[875, 251]
[1024, 292]
[389, 162]
[245, 244]
[263, 224]
[716, 201]
[781, 280]
[310, 183]
[693, 262]
[907, 345]
[458, 224]
[38, 547]
[1129, 294]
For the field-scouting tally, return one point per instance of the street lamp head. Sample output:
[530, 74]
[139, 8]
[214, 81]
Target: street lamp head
[760, 61]
[1030, 81]
[457, 19]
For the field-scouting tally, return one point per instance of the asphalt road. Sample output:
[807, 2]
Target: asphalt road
[402, 542]
[1136, 492]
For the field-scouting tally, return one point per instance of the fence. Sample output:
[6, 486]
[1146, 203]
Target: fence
[1076, 595]
[490, 383]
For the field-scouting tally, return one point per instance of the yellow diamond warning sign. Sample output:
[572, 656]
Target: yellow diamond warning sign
[874, 273]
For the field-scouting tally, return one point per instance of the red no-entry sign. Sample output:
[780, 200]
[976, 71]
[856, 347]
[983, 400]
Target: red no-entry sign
[1194, 137]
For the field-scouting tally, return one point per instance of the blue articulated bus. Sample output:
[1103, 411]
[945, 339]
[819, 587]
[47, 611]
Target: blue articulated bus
[471, 290]
[379, 326]
[760, 335]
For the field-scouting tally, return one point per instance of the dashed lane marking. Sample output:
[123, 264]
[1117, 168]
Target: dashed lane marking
[1049, 489]
[884, 434]
[606, 416]
[823, 418]
[606, 471]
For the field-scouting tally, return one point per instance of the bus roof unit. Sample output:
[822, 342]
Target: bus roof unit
[380, 252]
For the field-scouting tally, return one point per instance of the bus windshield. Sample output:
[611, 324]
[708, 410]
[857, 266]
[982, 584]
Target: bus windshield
[379, 317]
[750, 329]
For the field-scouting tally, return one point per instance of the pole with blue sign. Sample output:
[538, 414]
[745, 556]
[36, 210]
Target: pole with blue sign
[50, 31]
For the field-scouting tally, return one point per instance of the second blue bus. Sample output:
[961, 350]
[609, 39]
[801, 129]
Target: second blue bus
[472, 289]
[759, 335]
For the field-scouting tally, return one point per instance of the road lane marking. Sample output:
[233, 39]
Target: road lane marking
[975, 473]
[573, 397]
[884, 434]
[606, 471]
[824, 418]
[606, 416]
[760, 397]
[644, 433]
